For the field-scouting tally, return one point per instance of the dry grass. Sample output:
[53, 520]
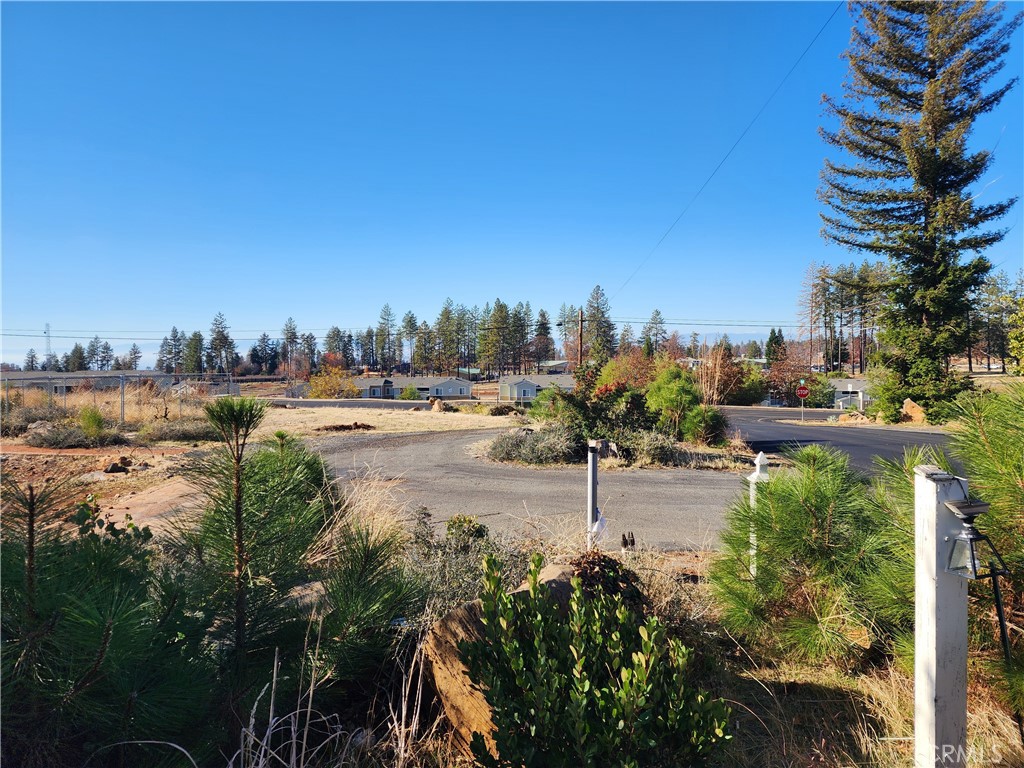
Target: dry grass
[303, 422]
[143, 402]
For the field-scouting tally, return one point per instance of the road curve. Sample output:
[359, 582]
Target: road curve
[664, 508]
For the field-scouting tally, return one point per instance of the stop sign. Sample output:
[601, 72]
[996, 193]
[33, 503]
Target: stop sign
[802, 392]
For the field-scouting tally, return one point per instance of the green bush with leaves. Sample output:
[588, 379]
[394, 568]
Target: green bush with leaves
[452, 565]
[90, 420]
[409, 393]
[600, 687]
[672, 396]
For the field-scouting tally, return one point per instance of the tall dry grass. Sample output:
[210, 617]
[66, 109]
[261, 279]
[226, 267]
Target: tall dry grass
[144, 402]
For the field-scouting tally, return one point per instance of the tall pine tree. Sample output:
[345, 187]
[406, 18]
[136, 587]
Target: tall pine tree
[919, 78]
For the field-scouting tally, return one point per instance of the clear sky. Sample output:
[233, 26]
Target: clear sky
[163, 162]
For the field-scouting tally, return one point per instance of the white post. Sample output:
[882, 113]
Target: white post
[759, 475]
[592, 456]
[940, 621]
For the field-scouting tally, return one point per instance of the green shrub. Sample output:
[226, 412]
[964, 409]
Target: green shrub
[504, 409]
[452, 567]
[15, 419]
[91, 421]
[753, 387]
[987, 436]
[409, 393]
[672, 396]
[185, 430]
[650, 448]
[92, 654]
[64, 436]
[705, 425]
[464, 528]
[600, 687]
[546, 406]
[818, 546]
[551, 445]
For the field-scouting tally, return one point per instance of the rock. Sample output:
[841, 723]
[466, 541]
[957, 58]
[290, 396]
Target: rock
[463, 703]
[116, 468]
[913, 413]
[41, 428]
[416, 408]
[853, 417]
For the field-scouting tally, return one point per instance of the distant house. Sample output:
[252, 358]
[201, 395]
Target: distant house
[525, 389]
[446, 388]
[378, 387]
[517, 390]
[553, 366]
[851, 393]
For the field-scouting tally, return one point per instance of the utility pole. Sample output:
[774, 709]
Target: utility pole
[579, 343]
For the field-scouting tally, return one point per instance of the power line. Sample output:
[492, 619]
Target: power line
[727, 154]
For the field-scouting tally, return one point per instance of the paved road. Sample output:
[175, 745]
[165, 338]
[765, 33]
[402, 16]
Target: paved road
[763, 430]
[665, 508]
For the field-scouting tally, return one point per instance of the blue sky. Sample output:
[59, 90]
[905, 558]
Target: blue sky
[163, 162]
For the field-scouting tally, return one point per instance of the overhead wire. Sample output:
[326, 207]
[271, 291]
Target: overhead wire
[729, 153]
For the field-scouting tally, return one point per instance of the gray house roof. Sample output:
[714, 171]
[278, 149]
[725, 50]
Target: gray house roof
[365, 382]
[547, 381]
[423, 382]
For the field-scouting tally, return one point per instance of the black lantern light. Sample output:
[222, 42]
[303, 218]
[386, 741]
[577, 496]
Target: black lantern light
[972, 555]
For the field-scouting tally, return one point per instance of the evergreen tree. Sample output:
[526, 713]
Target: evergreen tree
[106, 356]
[263, 354]
[348, 350]
[163, 356]
[775, 347]
[919, 78]
[75, 359]
[333, 341]
[310, 352]
[289, 341]
[655, 330]
[543, 344]
[177, 349]
[409, 331]
[31, 361]
[222, 347]
[627, 339]
[423, 354]
[193, 354]
[92, 353]
[133, 358]
[598, 328]
[446, 338]
[385, 339]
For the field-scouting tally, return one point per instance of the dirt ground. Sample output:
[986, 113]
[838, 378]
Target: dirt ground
[153, 489]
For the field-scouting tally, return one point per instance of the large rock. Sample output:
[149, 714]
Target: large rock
[913, 412]
[463, 702]
[39, 428]
[853, 417]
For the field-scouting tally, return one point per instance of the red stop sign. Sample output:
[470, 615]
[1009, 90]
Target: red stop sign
[802, 392]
